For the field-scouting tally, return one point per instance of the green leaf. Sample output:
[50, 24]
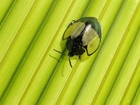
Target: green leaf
[31, 72]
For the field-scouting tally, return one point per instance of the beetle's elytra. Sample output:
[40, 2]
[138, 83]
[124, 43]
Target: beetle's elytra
[82, 35]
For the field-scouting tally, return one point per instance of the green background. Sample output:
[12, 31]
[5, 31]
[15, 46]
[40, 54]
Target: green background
[31, 72]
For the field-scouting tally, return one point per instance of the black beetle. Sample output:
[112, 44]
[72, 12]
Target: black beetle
[82, 35]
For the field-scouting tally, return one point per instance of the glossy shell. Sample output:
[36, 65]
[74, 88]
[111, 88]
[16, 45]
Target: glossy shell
[83, 35]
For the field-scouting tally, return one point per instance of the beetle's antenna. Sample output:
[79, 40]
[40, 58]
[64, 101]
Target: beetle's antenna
[59, 52]
[65, 55]
[70, 62]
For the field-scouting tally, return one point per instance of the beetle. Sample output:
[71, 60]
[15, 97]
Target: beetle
[82, 35]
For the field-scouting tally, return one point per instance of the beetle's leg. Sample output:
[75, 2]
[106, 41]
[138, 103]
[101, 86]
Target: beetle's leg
[70, 62]
[79, 56]
[73, 21]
